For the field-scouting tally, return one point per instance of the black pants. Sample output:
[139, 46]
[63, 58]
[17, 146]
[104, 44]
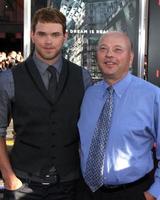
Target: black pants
[37, 191]
[135, 192]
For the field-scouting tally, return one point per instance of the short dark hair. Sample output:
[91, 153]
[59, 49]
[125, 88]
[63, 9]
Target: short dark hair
[49, 15]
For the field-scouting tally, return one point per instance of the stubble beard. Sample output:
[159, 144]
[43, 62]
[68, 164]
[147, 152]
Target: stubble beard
[48, 57]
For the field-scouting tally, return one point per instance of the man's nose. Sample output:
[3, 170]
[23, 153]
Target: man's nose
[49, 39]
[109, 52]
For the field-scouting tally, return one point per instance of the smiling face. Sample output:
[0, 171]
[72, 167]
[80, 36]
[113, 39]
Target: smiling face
[114, 56]
[48, 39]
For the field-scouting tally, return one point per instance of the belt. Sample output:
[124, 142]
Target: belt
[46, 179]
[114, 188]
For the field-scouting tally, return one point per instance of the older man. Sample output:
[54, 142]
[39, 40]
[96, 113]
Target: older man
[119, 123]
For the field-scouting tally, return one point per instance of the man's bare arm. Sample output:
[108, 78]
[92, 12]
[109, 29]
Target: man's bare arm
[11, 182]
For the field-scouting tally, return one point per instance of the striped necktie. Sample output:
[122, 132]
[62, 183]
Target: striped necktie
[95, 162]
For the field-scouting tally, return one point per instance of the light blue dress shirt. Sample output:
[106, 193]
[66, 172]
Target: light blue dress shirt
[135, 128]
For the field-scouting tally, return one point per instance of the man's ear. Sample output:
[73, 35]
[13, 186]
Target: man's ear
[131, 58]
[32, 36]
[65, 36]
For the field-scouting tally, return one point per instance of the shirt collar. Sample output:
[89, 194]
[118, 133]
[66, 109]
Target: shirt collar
[121, 86]
[42, 67]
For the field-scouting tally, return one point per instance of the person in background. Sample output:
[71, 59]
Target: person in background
[11, 59]
[19, 57]
[2, 61]
[43, 95]
[118, 125]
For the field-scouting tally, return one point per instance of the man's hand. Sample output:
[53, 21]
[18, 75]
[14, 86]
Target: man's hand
[148, 196]
[12, 183]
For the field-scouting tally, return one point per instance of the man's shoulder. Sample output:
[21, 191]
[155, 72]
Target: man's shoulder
[97, 86]
[5, 74]
[21, 66]
[5, 78]
[141, 83]
[76, 68]
[71, 64]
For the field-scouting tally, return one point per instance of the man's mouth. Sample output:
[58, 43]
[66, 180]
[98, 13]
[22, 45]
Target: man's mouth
[109, 63]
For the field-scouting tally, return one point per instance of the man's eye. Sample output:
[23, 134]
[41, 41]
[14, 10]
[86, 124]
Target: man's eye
[41, 34]
[57, 34]
[103, 49]
[118, 50]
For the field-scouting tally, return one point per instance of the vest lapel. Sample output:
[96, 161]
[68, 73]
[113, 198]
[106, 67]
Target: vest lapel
[36, 77]
[62, 79]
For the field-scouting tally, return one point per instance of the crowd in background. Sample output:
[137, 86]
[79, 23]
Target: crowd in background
[9, 60]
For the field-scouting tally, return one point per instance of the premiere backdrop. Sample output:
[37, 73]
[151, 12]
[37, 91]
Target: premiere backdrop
[88, 19]
[154, 42]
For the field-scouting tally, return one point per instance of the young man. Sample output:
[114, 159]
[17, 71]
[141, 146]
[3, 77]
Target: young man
[119, 123]
[44, 161]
